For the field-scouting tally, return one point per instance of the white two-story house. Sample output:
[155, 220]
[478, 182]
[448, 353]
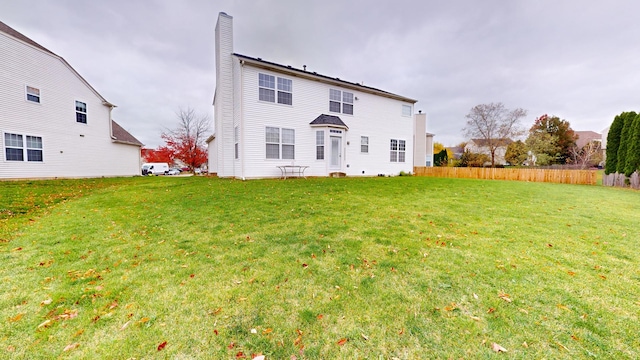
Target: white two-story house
[269, 115]
[53, 124]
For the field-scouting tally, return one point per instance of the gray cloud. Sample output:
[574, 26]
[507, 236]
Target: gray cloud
[573, 59]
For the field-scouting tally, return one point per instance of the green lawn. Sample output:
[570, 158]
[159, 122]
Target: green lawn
[406, 267]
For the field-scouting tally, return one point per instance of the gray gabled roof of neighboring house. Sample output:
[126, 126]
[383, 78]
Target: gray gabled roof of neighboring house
[4, 28]
[258, 62]
[329, 120]
[120, 135]
[584, 137]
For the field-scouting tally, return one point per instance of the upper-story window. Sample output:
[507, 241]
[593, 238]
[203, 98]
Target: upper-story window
[267, 90]
[406, 110]
[33, 94]
[340, 101]
[81, 112]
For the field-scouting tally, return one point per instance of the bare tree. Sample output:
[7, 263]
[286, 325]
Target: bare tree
[494, 124]
[186, 141]
[589, 153]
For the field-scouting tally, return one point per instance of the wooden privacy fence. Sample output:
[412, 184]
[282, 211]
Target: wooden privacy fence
[619, 180]
[584, 177]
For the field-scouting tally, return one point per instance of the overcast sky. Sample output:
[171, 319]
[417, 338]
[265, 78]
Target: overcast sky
[577, 59]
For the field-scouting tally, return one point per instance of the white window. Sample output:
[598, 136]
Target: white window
[33, 94]
[341, 101]
[280, 141]
[406, 110]
[267, 89]
[15, 147]
[398, 150]
[236, 139]
[81, 112]
[364, 144]
[320, 145]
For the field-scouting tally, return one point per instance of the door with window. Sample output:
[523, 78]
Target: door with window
[336, 153]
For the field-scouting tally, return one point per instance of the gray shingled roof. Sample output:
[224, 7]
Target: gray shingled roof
[329, 120]
[123, 136]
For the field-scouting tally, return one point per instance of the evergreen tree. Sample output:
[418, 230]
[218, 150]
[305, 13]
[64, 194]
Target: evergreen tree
[633, 151]
[613, 143]
[625, 138]
[441, 158]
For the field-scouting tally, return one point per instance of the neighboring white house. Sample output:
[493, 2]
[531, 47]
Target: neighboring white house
[269, 115]
[52, 122]
[481, 146]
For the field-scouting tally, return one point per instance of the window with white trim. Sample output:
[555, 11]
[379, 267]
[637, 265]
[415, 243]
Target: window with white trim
[364, 144]
[280, 143]
[15, 147]
[33, 94]
[341, 101]
[267, 89]
[81, 112]
[398, 150]
[320, 145]
[236, 139]
[406, 110]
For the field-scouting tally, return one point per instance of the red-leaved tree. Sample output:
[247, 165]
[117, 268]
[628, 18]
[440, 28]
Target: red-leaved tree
[161, 154]
[186, 142]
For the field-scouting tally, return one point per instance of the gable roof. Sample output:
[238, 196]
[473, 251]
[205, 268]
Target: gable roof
[258, 62]
[584, 137]
[120, 135]
[485, 142]
[4, 28]
[329, 120]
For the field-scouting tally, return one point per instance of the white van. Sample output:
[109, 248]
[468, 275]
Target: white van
[155, 168]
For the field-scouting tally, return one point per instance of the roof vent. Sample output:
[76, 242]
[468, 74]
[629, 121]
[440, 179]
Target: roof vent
[304, 67]
[260, 59]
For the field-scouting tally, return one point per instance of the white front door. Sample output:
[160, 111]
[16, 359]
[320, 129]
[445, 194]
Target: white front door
[336, 153]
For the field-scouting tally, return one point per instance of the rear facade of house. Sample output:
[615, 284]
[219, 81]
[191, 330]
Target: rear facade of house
[269, 115]
[53, 124]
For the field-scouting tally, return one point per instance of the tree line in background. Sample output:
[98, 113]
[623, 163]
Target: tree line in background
[185, 143]
[623, 145]
[549, 141]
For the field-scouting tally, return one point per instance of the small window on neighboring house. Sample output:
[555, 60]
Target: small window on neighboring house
[15, 147]
[398, 150]
[364, 144]
[267, 89]
[320, 145]
[341, 101]
[81, 112]
[406, 110]
[280, 143]
[33, 94]
[236, 139]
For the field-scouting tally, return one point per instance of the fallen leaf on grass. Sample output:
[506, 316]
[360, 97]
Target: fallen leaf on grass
[342, 341]
[144, 320]
[267, 331]
[44, 324]
[45, 302]
[240, 355]
[125, 325]
[364, 336]
[475, 318]
[258, 357]
[71, 347]
[320, 316]
[16, 318]
[497, 348]
[298, 340]
[504, 296]
[524, 344]
[162, 345]
[491, 310]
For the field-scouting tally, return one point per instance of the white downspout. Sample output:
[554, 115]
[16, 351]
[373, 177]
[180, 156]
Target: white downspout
[242, 147]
